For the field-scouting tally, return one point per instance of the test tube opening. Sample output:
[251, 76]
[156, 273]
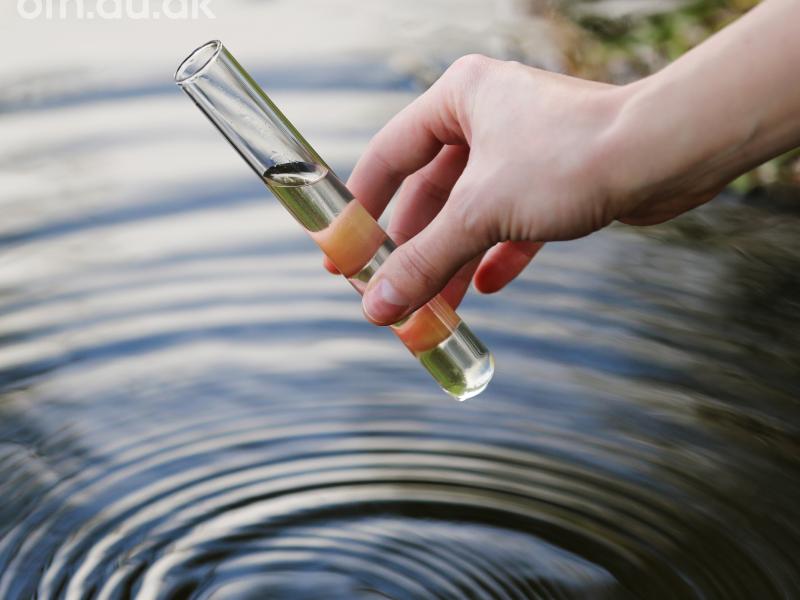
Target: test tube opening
[198, 61]
[242, 112]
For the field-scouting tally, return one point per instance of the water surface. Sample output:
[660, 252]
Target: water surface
[190, 407]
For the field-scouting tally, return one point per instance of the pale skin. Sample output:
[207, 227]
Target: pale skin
[497, 158]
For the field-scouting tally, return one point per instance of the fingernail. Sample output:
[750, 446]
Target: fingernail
[383, 303]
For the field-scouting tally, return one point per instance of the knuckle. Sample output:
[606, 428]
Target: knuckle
[424, 187]
[375, 150]
[400, 236]
[461, 85]
[417, 266]
[469, 219]
[469, 65]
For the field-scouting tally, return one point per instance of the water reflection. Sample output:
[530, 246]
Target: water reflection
[191, 408]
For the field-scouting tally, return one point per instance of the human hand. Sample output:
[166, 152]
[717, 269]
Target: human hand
[497, 158]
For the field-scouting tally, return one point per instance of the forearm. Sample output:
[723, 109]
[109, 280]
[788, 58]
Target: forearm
[728, 105]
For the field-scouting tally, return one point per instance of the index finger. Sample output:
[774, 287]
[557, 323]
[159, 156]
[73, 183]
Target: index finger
[409, 141]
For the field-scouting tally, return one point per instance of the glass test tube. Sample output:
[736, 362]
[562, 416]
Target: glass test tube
[320, 202]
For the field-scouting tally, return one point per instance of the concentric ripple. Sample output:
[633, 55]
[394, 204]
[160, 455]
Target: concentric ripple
[190, 408]
[303, 501]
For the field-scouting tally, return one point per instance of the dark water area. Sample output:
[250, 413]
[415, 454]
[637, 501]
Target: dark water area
[191, 408]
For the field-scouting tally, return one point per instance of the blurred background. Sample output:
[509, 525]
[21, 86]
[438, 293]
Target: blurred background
[191, 408]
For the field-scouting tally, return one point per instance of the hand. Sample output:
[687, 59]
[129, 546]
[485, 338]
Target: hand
[497, 158]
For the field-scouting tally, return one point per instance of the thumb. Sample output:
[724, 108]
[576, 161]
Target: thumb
[419, 269]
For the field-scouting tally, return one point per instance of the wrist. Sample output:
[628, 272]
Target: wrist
[622, 164]
[668, 141]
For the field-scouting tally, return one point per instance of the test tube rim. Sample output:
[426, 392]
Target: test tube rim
[182, 80]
